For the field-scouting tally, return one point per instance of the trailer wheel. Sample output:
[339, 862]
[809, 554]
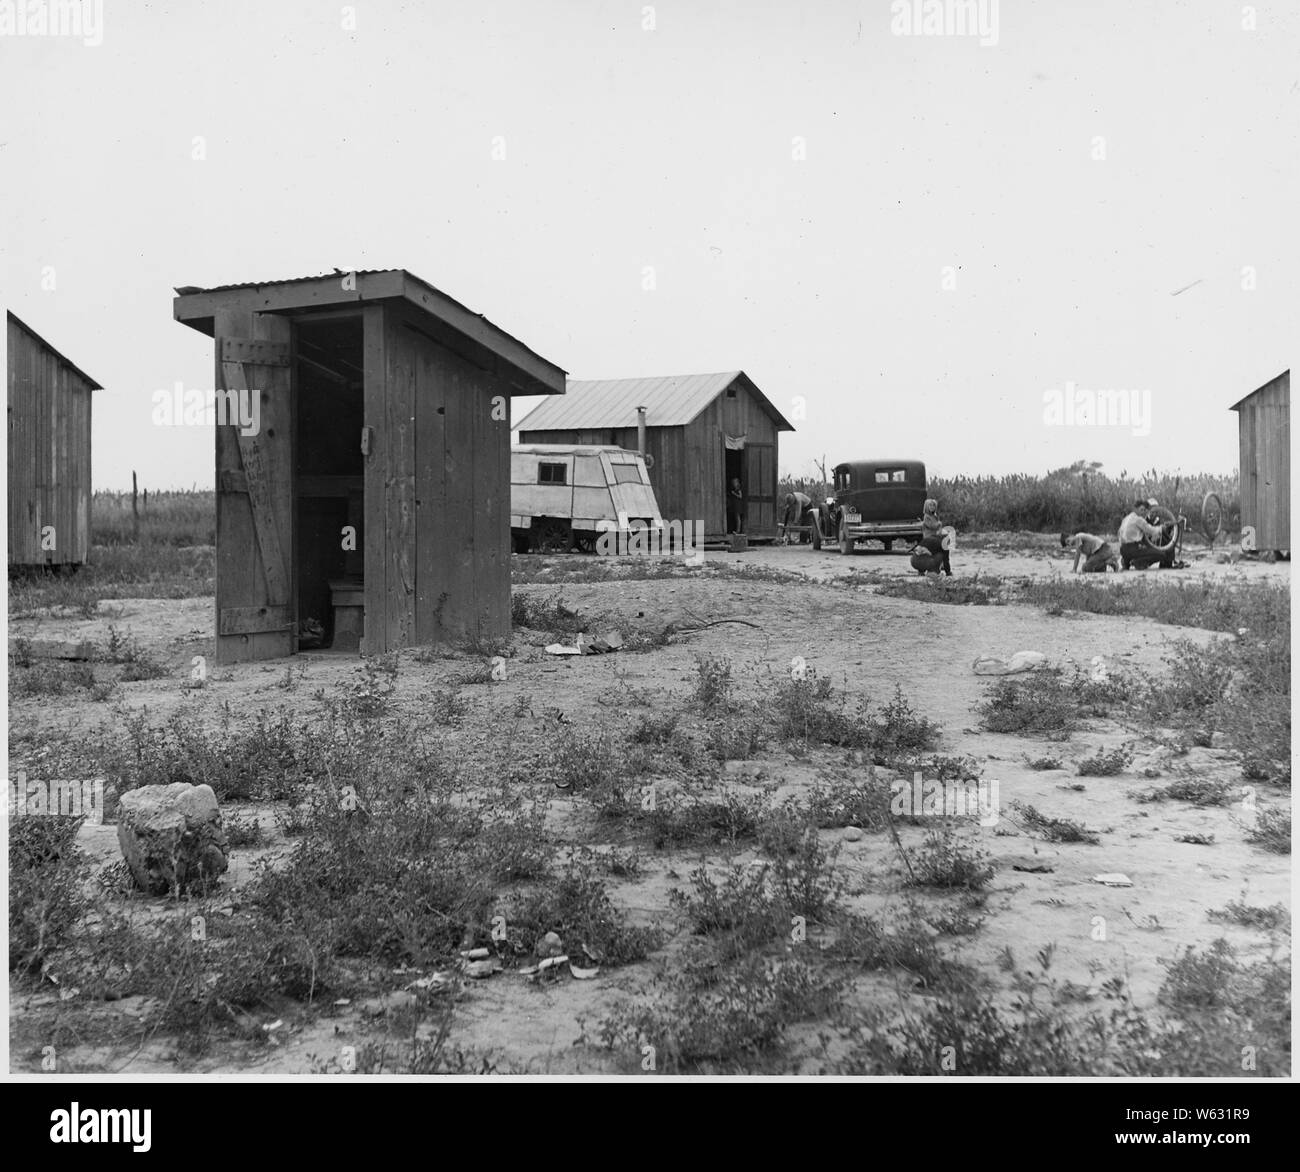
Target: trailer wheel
[888, 544]
[550, 535]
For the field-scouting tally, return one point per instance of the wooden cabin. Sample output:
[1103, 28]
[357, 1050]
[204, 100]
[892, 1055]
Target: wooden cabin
[362, 463]
[1264, 433]
[700, 432]
[49, 452]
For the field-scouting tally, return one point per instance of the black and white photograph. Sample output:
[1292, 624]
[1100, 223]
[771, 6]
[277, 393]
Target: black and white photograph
[601, 541]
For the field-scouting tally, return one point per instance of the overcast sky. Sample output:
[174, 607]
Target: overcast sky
[796, 182]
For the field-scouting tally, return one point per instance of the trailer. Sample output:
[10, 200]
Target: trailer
[563, 497]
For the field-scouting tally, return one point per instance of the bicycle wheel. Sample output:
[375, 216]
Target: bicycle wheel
[1211, 516]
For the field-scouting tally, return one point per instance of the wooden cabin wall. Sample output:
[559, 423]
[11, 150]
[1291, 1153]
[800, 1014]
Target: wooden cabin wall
[1265, 441]
[437, 494]
[742, 415]
[49, 454]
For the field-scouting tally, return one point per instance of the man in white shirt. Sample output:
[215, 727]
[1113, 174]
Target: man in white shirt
[1133, 550]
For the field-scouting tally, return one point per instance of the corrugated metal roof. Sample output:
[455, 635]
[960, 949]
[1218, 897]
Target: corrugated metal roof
[22, 325]
[291, 280]
[195, 305]
[566, 449]
[670, 401]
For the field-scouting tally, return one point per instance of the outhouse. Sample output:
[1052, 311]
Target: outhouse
[362, 463]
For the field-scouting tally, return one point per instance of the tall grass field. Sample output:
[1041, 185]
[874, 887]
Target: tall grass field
[1078, 497]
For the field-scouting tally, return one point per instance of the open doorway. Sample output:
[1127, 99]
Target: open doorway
[329, 480]
[734, 469]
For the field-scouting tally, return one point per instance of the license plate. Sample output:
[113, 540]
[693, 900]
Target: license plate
[852, 517]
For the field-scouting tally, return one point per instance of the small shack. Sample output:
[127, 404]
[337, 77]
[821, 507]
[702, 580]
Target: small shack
[700, 431]
[49, 452]
[362, 463]
[1264, 430]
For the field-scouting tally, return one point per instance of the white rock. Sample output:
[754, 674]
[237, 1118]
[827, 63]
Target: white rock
[171, 836]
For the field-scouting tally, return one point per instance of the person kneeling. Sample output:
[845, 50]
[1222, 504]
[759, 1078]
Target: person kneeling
[1133, 550]
[932, 537]
[1095, 553]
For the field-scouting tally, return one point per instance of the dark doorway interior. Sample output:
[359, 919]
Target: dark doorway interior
[734, 463]
[330, 475]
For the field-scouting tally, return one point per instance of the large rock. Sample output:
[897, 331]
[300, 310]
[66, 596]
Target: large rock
[171, 836]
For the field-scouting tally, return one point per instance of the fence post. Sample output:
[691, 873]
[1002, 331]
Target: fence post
[135, 511]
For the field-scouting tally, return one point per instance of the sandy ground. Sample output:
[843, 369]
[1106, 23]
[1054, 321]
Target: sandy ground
[866, 644]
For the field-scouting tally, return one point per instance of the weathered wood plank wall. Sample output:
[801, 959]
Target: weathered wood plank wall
[49, 413]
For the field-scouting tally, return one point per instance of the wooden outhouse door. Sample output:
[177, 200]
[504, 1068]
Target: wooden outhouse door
[255, 610]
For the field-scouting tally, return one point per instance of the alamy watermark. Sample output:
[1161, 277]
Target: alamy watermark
[178, 407]
[945, 799]
[33, 797]
[103, 1125]
[684, 539]
[945, 18]
[54, 18]
[1073, 406]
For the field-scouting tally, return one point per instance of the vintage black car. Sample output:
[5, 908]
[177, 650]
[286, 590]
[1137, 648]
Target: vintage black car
[874, 500]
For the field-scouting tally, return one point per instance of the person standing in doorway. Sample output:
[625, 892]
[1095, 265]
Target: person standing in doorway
[735, 507]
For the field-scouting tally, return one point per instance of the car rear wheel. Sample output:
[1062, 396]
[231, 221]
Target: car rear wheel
[816, 531]
[846, 542]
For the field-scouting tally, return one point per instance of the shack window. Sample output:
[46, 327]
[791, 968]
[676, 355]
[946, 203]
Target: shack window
[552, 473]
[626, 474]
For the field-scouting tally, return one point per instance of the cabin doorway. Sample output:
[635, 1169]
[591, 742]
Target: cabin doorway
[733, 469]
[329, 483]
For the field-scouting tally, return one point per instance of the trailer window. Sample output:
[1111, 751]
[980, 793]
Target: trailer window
[552, 473]
[626, 474]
